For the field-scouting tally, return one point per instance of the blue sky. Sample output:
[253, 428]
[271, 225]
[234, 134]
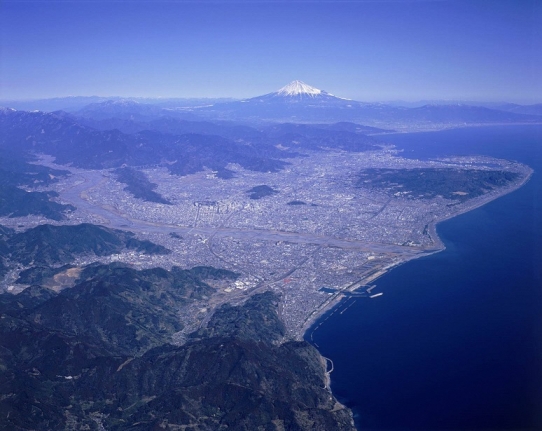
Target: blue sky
[365, 50]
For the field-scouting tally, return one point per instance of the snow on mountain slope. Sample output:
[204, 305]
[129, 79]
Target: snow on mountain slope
[296, 88]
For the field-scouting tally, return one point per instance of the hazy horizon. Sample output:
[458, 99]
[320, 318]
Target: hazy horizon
[401, 102]
[363, 50]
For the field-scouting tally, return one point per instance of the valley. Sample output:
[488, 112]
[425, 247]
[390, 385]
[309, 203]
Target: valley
[343, 234]
[197, 245]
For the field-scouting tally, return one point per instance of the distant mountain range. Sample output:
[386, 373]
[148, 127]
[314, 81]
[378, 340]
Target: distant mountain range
[260, 134]
[127, 109]
[296, 102]
[75, 103]
[299, 102]
[535, 109]
[182, 146]
[88, 346]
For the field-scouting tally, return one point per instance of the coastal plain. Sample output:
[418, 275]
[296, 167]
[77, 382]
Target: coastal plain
[324, 228]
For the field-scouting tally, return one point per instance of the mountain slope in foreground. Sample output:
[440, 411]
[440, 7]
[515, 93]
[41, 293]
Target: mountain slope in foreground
[61, 368]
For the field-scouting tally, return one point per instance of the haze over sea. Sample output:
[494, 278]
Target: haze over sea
[455, 342]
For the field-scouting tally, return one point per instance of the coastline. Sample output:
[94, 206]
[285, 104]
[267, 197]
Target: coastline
[320, 316]
[440, 128]
[332, 305]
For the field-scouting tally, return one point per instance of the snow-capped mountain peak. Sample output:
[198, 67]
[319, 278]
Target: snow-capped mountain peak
[297, 88]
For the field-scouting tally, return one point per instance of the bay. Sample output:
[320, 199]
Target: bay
[455, 342]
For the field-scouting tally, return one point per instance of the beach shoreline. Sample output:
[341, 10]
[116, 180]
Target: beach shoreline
[333, 304]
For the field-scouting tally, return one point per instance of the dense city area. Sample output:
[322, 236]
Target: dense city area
[314, 232]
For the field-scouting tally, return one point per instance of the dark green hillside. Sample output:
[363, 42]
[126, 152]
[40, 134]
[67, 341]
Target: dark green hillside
[38, 274]
[63, 137]
[317, 137]
[46, 247]
[228, 382]
[99, 353]
[256, 321]
[15, 202]
[48, 244]
[139, 185]
[121, 309]
[258, 192]
[15, 173]
[426, 183]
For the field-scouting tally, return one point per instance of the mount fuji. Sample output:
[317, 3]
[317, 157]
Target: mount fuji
[295, 102]
[299, 102]
[299, 88]
[297, 91]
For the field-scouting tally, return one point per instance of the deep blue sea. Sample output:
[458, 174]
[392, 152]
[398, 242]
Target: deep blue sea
[455, 342]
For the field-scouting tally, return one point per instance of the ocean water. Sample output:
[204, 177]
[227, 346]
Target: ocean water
[455, 342]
